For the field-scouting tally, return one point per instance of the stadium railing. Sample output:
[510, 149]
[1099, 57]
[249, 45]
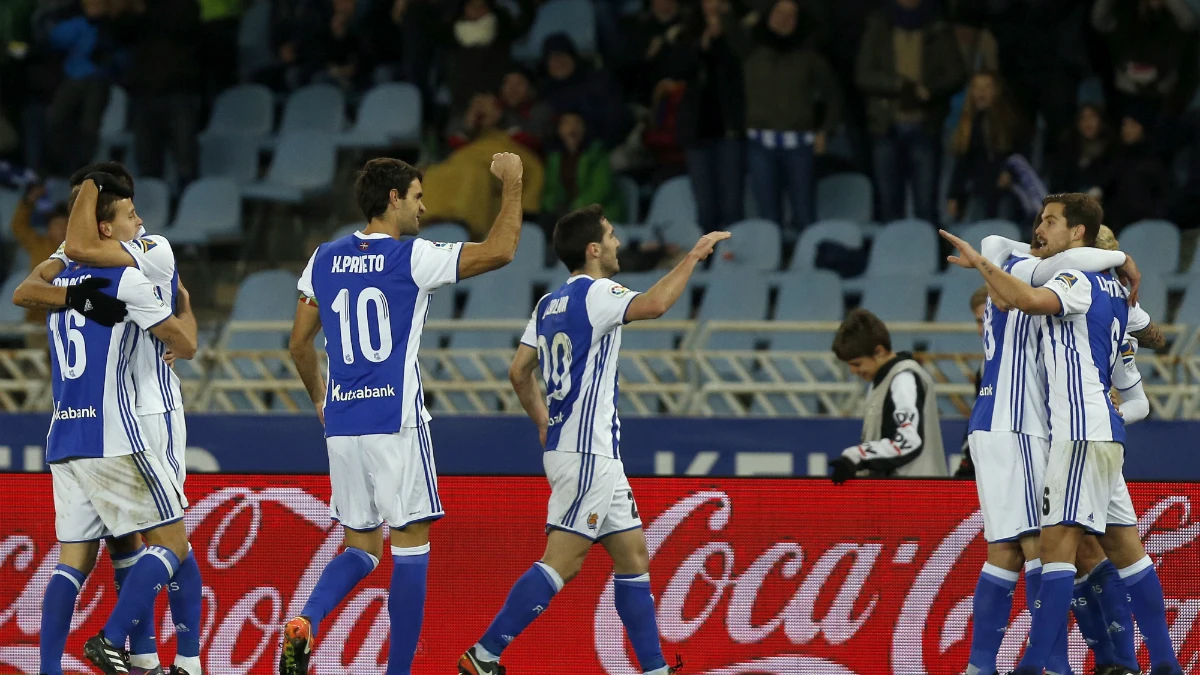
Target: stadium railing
[690, 379]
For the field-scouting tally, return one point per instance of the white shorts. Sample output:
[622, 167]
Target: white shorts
[166, 436]
[1010, 471]
[383, 478]
[1084, 486]
[589, 495]
[113, 496]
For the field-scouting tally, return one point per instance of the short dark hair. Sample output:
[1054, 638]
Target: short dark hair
[106, 204]
[858, 336]
[574, 232]
[376, 181]
[979, 297]
[111, 168]
[1079, 209]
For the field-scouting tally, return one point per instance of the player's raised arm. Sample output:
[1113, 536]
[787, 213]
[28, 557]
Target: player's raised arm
[500, 246]
[83, 243]
[1013, 291]
[37, 292]
[662, 295]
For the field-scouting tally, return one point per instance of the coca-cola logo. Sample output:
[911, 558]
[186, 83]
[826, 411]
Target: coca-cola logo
[770, 577]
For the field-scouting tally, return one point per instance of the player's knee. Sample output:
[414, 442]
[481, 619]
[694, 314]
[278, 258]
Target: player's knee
[125, 545]
[1006, 555]
[172, 537]
[79, 555]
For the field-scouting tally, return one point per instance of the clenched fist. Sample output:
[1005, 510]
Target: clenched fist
[507, 167]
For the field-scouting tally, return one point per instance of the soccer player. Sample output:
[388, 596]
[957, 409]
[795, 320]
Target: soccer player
[107, 479]
[1086, 317]
[158, 405]
[575, 337]
[371, 291]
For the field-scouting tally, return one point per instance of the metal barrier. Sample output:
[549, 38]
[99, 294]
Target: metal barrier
[690, 379]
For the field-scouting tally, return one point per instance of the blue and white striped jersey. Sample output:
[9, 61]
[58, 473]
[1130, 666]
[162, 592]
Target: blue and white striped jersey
[577, 332]
[92, 375]
[1082, 345]
[158, 386]
[373, 295]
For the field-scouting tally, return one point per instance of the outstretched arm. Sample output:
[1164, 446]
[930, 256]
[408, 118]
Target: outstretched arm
[662, 295]
[521, 375]
[1011, 290]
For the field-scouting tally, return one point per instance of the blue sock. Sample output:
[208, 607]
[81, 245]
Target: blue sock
[145, 580]
[141, 636]
[992, 607]
[338, 578]
[1033, 583]
[1049, 615]
[635, 606]
[186, 596]
[1106, 585]
[1146, 600]
[406, 606]
[1092, 626]
[529, 597]
[58, 605]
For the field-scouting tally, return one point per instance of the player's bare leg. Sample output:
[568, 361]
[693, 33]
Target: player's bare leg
[635, 603]
[1124, 548]
[75, 563]
[359, 558]
[168, 545]
[406, 598]
[1101, 609]
[529, 597]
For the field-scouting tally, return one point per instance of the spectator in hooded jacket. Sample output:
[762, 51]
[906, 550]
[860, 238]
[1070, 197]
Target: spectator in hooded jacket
[909, 65]
[793, 105]
[712, 117]
[578, 173]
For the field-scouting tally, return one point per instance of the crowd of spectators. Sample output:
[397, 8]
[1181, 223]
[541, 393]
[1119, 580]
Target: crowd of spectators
[958, 109]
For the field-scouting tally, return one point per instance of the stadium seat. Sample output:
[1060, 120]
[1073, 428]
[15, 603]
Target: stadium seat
[268, 295]
[576, 18]
[390, 114]
[845, 196]
[1154, 245]
[503, 294]
[444, 232]
[755, 246]
[954, 305]
[230, 155]
[246, 110]
[1188, 313]
[114, 126]
[303, 165]
[531, 252]
[897, 297]
[317, 107]
[680, 311]
[153, 202]
[814, 296]
[9, 200]
[1152, 296]
[673, 203]
[906, 247]
[975, 232]
[346, 230]
[633, 198]
[734, 294]
[845, 232]
[210, 209]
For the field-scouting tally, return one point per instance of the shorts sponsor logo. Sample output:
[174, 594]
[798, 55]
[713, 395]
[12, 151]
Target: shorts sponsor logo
[336, 393]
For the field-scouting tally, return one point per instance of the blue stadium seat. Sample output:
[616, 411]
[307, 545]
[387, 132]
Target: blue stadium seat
[897, 297]
[954, 305]
[905, 247]
[1188, 313]
[114, 126]
[503, 294]
[975, 232]
[734, 295]
[444, 232]
[153, 203]
[390, 114]
[269, 295]
[210, 209]
[531, 252]
[9, 200]
[317, 107]
[633, 198]
[230, 155]
[1154, 244]
[755, 245]
[845, 196]
[243, 110]
[303, 166]
[673, 203]
[1152, 296]
[576, 18]
[814, 296]
[845, 232]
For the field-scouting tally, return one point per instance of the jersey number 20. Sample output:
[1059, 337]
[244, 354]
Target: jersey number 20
[69, 369]
[556, 365]
[368, 296]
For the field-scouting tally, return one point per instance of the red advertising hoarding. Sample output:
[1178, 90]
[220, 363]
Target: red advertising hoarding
[759, 576]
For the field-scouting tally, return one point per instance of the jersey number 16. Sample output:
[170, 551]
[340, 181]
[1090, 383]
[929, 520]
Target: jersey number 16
[69, 369]
[368, 296]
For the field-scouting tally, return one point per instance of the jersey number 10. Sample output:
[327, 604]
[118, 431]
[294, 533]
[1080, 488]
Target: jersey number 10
[368, 296]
